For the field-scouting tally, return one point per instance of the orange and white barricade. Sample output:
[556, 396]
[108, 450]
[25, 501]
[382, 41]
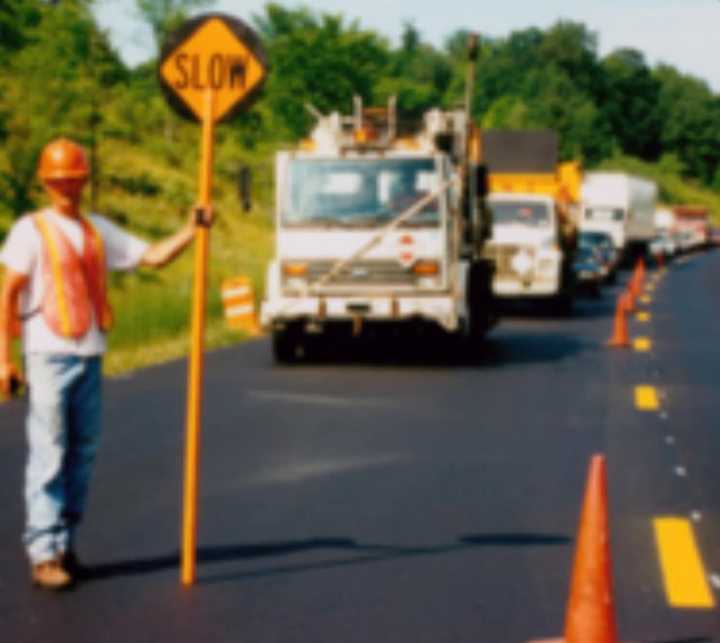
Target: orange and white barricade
[238, 297]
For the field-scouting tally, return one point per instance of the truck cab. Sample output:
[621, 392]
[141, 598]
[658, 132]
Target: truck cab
[534, 202]
[527, 246]
[369, 232]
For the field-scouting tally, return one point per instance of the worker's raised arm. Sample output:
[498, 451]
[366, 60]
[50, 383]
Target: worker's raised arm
[12, 286]
[164, 251]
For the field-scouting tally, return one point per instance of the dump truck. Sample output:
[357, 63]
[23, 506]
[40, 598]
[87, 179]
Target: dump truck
[622, 205]
[379, 226]
[534, 202]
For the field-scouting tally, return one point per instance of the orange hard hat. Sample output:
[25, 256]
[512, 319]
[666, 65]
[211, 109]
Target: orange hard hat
[63, 159]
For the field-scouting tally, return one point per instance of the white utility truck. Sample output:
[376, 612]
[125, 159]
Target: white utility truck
[623, 206]
[533, 201]
[375, 229]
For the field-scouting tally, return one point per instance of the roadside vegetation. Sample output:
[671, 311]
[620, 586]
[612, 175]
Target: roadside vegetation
[59, 75]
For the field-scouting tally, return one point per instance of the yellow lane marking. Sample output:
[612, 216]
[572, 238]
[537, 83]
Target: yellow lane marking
[646, 398]
[642, 344]
[684, 576]
[646, 299]
[643, 316]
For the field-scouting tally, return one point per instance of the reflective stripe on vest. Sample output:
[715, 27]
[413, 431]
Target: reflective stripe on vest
[74, 286]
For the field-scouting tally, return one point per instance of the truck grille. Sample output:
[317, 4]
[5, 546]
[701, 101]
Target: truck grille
[503, 255]
[362, 273]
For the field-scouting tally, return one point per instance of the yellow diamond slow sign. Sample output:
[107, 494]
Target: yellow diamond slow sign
[216, 53]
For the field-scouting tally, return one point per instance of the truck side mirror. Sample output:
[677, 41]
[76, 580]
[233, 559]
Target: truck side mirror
[481, 181]
[245, 187]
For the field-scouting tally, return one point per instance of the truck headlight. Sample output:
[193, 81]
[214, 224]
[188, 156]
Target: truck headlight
[522, 263]
[296, 283]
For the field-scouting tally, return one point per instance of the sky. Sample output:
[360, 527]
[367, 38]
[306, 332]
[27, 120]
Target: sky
[683, 33]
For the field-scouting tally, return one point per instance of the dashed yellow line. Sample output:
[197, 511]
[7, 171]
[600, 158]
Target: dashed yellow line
[642, 344]
[646, 398]
[643, 316]
[684, 576]
[646, 299]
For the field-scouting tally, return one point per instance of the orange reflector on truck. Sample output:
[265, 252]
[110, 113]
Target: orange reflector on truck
[295, 269]
[426, 268]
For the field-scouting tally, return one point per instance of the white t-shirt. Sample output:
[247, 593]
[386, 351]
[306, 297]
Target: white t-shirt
[23, 253]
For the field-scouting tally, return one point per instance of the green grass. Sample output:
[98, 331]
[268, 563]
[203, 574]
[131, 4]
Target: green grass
[153, 307]
[150, 195]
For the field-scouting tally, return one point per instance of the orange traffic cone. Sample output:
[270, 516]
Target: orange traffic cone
[641, 273]
[590, 616]
[636, 282]
[621, 338]
[629, 299]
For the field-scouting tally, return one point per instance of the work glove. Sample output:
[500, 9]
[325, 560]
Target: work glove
[10, 380]
[202, 216]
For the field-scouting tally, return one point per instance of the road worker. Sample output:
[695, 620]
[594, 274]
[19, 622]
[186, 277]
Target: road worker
[55, 289]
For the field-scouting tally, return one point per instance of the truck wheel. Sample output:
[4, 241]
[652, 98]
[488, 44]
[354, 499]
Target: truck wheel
[287, 346]
[562, 305]
[481, 303]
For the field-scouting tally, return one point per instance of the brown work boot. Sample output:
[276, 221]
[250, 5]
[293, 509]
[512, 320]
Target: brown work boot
[50, 574]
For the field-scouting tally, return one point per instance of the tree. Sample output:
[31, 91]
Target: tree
[318, 59]
[631, 104]
[691, 122]
[58, 78]
[15, 17]
[164, 16]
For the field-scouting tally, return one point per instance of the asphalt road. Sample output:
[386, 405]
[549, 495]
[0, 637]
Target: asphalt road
[396, 498]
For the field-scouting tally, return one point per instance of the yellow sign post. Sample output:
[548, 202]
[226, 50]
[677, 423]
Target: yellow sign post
[210, 70]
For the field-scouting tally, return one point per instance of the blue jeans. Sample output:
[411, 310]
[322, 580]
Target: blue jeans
[63, 430]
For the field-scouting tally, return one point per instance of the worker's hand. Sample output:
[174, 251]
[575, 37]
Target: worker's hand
[202, 216]
[10, 379]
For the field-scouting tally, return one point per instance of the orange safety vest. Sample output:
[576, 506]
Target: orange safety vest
[74, 286]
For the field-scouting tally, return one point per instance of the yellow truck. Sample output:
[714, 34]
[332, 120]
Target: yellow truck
[535, 201]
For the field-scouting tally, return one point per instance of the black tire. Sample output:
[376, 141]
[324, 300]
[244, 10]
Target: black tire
[481, 302]
[287, 346]
[562, 305]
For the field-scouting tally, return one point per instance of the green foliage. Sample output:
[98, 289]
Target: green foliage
[317, 59]
[631, 104]
[52, 85]
[164, 16]
[59, 76]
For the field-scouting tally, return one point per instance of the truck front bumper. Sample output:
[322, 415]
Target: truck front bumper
[516, 288]
[440, 309]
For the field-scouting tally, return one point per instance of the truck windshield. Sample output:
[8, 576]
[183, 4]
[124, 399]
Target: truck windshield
[359, 192]
[604, 214]
[535, 214]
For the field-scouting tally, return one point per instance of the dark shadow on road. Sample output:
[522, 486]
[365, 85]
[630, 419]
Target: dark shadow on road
[438, 351]
[696, 639]
[363, 554]
[586, 307]
[530, 348]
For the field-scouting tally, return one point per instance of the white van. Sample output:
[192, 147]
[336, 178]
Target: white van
[621, 205]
